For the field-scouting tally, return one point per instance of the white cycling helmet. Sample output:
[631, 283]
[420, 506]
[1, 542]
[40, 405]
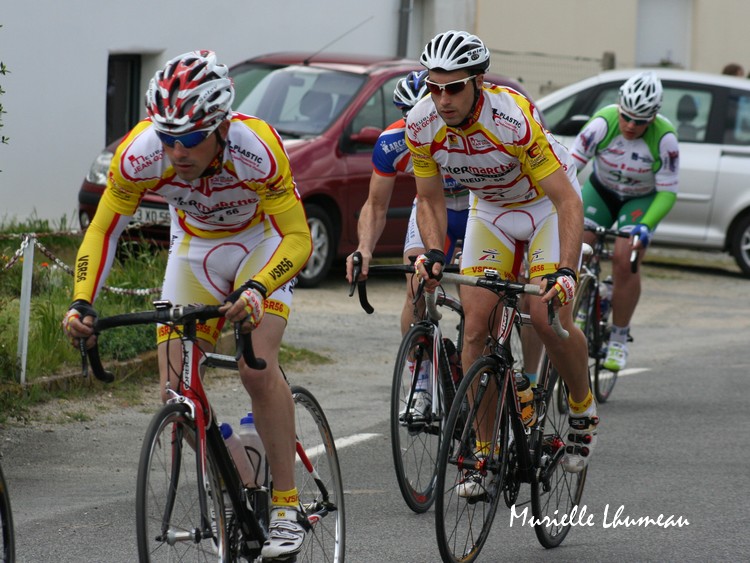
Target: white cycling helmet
[641, 95]
[454, 50]
[409, 90]
[193, 92]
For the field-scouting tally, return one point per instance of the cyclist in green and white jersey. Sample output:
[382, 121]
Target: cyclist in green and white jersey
[634, 184]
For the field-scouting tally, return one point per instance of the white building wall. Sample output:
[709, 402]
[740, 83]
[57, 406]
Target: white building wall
[57, 53]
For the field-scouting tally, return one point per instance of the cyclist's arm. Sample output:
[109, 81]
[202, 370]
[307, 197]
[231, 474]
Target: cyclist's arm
[666, 180]
[431, 211]
[569, 208]
[293, 251]
[372, 218]
[97, 251]
[585, 143]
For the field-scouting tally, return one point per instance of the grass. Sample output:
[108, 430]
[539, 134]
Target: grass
[137, 266]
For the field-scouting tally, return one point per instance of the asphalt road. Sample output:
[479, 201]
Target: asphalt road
[673, 439]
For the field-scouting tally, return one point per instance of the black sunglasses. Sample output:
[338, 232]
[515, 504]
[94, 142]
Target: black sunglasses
[452, 88]
[633, 120]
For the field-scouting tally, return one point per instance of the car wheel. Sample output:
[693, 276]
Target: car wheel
[741, 244]
[323, 247]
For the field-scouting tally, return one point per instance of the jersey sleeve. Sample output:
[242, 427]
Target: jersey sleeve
[667, 176]
[117, 205]
[584, 146]
[280, 201]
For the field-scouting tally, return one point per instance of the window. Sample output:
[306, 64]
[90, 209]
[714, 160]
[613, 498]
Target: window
[737, 123]
[124, 95]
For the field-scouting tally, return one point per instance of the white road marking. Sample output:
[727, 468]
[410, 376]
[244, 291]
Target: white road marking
[341, 443]
[632, 371]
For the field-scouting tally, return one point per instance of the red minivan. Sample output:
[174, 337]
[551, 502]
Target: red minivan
[329, 109]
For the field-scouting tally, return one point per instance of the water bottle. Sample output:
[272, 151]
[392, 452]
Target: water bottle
[605, 297]
[526, 399]
[254, 450]
[237, 449]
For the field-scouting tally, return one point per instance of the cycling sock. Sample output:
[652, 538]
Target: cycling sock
[582, 407]
[285, 498]
[619, 334]
[483, 448]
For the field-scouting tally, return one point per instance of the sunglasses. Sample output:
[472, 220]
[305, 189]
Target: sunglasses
[633, 120]
[188, 140]
[451, 88]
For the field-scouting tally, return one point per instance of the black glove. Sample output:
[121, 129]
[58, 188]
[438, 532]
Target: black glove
[429, 259]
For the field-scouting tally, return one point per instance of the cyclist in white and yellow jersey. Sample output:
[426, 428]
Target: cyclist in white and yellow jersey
[237, 221]
[524, 192]
[634, 184]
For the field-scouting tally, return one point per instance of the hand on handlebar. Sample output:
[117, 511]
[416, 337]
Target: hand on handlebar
[429, 267]
[78, 324]
[561, 284]
[247, 306]
[357, 266]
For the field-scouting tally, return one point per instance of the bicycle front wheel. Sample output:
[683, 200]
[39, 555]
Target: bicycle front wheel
[7, 539]
[555, 492]
[415, 437]
[318, 477]
[472, 468]
[170, 525]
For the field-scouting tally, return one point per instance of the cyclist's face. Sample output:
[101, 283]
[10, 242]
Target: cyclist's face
[190, 163]
[453, 108]
[633, 128]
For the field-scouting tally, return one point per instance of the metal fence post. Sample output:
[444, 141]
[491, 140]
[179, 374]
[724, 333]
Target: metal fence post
[25, 306]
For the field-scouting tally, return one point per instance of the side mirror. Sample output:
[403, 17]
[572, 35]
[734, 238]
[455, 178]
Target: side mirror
[571, 126]
[366, 136]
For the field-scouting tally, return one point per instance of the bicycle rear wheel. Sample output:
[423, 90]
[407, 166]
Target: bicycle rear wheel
[555, 492]
[470, 479]
[415, 443]
[7, 537]
[318, 477]
[169, 523]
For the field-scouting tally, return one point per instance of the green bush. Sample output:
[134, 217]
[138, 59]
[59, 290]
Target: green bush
[49, 352]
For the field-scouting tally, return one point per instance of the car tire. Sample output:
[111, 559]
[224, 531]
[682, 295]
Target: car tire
[740, 244]
[323, 247]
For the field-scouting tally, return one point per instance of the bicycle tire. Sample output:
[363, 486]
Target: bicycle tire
[320, 487]
[169, 524]
[463, 524]
[414, 446]
[554, 492]
[7, 535]
[597, 334]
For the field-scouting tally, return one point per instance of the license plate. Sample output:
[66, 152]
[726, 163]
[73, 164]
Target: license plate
[151, 215]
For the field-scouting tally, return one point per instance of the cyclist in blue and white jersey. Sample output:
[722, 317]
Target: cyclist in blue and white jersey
[391, 156]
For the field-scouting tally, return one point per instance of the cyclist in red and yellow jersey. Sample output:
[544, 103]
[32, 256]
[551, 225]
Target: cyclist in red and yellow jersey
[524, 192]
[237, 221]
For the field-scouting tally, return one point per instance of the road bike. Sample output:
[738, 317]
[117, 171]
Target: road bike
[592, 311]
[493, 448]
[426, 350]
[7, 535]
[190, 501]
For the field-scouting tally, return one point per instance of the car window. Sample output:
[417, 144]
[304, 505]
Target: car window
[737, 123]
[301, 101]
[688, 109]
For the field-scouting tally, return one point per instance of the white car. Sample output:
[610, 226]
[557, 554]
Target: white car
[711, 113]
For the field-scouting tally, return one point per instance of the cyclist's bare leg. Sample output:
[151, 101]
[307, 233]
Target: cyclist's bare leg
[478, 303]
[570, 356]
[626, 290]
[273, 406]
